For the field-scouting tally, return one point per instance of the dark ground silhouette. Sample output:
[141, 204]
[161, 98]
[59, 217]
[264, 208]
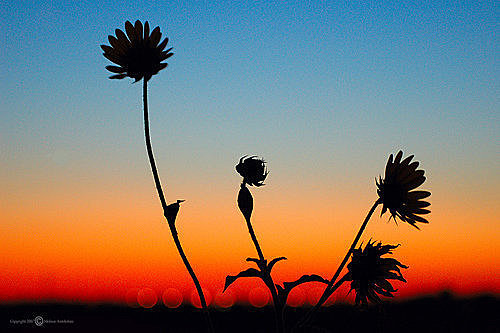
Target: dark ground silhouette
[442, 313]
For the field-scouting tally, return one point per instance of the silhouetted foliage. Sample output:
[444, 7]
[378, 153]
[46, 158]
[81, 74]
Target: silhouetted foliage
[367, 271]
[139, 54]
[172, 210]
[254, 172]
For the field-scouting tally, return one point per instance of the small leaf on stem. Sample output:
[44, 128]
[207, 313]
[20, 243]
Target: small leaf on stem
[251, 272]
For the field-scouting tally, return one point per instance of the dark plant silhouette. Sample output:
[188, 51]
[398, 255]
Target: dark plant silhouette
[139, 56]
[394, 190]
[396, 195]
[369, 272]
[254, 172]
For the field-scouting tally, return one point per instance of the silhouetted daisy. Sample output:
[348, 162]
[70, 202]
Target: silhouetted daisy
[253, 170]
[138, 56]
[395, 190]
[369, 272]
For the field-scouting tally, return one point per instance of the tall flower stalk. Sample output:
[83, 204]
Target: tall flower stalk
[139, 55]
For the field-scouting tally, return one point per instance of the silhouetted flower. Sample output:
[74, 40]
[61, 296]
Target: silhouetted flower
[253, 170]
[138, 56]
[394, 190]
[369, 272]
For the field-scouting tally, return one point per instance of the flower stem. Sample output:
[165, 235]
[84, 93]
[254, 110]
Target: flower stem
[159, 189]
[268, 280]
[203, 302]
[254, 239]
[331, 287]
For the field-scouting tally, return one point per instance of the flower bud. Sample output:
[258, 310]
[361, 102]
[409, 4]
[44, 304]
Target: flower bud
[253, 170]
[245, 202]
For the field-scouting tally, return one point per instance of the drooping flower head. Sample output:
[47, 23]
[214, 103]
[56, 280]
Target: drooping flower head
[395, 190]
[369, 272]
[137, 53]
[253, 170]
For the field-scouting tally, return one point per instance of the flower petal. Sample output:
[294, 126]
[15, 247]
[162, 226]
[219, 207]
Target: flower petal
[138, 30]
[411, 177]
[417, 218]
[415, 183]
[422, 204]
[399, 155]
[406, 161]
[122, 38]
[113, 58]
[403, 173]
[129, 28]
[165, 55]
[146, 30]
[421, 211]
[155, 37]
[162, 45]
[417, 195]
[116, 44]
[116, 69]
[388, 167]
[118, 76]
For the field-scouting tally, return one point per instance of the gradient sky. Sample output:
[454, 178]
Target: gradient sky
[323, 91]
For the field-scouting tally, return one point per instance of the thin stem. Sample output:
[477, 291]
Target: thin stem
[193, 275]
[150, 149]
[268, 280]
[331, 288]
[164, 206]
[254, 239]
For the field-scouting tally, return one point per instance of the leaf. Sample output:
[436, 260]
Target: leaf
[262, 264]
[255, 260]
[251, 272]
[288, 286]
[273, 262]
[304, 279]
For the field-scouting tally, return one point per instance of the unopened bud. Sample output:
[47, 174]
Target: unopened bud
[245, 202]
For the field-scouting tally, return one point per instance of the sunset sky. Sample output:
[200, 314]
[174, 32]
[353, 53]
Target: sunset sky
[323, 92]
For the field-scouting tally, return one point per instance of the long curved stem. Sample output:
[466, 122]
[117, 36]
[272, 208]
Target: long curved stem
[331, 288]
[254, 239]
[203, 302]
[159, 189]
[268, 280]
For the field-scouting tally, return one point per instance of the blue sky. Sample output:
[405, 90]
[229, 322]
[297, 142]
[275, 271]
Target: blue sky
[301, 83]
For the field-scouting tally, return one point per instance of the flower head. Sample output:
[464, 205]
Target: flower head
[369, 272]
[400, 178]
[253, 170]
[138, 56]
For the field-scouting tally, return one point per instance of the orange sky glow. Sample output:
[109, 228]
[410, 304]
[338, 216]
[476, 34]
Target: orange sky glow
[115, 247]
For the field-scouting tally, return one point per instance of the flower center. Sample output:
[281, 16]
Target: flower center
[394, 195]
